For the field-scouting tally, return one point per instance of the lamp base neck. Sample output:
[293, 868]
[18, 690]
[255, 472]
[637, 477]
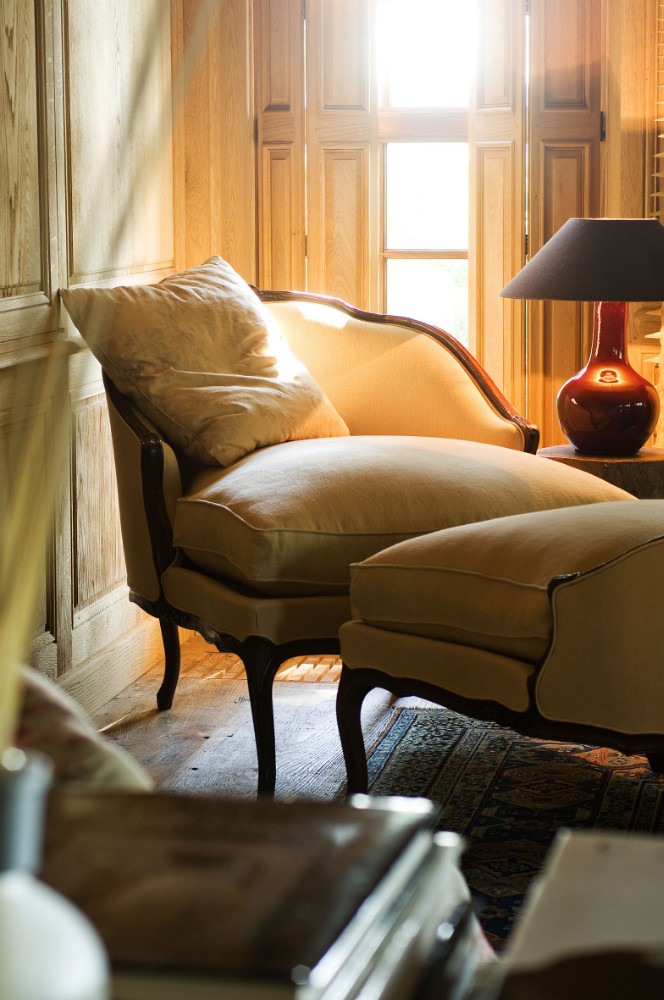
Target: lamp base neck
[609, 333]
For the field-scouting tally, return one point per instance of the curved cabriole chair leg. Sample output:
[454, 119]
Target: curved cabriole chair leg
[261, 661]
[171, 640]
[350, 697]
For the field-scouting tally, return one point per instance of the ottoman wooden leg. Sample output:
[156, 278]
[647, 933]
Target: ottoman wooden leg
[350, 696]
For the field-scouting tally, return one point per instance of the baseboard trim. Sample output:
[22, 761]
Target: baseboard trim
[116, 666]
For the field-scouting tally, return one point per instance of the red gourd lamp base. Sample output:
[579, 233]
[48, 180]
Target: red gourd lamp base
[608, 408]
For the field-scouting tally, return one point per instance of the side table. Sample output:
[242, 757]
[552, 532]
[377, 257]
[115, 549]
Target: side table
[642, 474]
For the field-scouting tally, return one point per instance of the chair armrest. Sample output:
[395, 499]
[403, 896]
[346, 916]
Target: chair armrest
[604, 665]
[394, 375]
[149, 484]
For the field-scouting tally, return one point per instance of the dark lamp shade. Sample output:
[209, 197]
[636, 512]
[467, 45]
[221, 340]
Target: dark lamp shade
[596, 260]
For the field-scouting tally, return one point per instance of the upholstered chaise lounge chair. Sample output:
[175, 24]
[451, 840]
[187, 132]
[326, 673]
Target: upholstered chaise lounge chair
[244, 527]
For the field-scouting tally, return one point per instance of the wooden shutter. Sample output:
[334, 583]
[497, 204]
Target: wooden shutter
[280, 125]
[497, 194]
[564, 182]
[335, 112]
[214, 155]
[343, 157]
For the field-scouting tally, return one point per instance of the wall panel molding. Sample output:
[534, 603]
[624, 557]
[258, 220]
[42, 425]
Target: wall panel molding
[279, 63]
[496, 87]
[498, 247]
[345, 52]
[345, 213]
[31, 217]
[280, 254]
[120, 139]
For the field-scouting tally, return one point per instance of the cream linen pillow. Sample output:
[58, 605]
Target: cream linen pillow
[202, 357]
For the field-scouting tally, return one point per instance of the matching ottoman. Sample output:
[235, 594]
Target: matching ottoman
[549, 622]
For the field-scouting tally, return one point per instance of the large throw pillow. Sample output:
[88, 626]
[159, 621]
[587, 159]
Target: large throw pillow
[202, 357]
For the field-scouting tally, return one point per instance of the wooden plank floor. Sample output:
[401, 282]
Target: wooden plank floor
[205, 742]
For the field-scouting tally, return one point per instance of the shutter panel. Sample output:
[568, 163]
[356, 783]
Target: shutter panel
[343, 161]
[497, 202]
[564, 182]
[279, 34]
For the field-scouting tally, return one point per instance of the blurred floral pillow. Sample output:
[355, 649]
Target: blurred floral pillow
[53, 723]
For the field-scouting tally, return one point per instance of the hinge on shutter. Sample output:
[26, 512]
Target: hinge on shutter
[304, 10]
[525, 244]
[306, 245]
[527, 8]
[602, 127]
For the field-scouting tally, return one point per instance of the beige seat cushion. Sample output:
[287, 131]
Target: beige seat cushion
[289, 520]
[486, 585]
[205, 361]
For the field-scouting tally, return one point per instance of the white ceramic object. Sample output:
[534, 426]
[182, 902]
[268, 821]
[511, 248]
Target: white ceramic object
[48, 949]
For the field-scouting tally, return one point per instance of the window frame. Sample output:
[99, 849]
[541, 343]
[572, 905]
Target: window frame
[325, 234]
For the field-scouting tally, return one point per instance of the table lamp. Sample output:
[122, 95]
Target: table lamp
[607, 408]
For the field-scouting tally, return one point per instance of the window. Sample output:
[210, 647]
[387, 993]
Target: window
[426, 233]
[425, 52]
[425, 57]
[378, 130]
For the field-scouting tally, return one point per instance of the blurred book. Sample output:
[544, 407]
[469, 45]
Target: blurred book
[198, 897]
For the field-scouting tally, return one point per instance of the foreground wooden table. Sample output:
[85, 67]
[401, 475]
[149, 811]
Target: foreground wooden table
[641, 474]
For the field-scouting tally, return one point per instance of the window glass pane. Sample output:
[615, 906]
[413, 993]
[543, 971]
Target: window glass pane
[433, 291]
[426, 196]
[423, 52]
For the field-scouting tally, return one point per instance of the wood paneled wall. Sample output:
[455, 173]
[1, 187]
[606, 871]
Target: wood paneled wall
[127, 153]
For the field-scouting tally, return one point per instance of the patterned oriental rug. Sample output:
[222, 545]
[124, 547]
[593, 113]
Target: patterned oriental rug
[508, 795]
